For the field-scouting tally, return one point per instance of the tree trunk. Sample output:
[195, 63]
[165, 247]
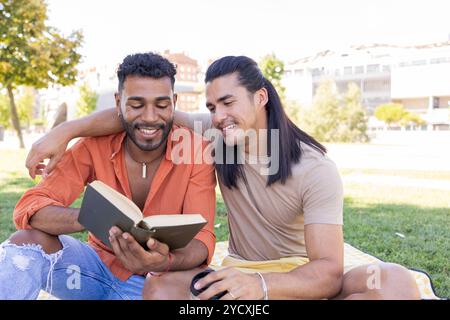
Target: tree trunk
[14, 116]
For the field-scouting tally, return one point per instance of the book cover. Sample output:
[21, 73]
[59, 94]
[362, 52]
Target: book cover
[103, 207]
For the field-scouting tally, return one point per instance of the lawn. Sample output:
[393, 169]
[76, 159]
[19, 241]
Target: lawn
[403, 225]
[397, 224]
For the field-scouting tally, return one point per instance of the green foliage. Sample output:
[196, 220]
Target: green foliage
[39, 122]
[395, 113]
[411, 118]
[336, 119]
[87, 101]
[273, 70]
[25, 105]
[293, 110]
[4, 111]
[32, 53]
[322, 121]
[353, 126]
[390, 113]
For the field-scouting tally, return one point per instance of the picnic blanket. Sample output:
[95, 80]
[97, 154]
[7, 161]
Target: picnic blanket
[352, 257]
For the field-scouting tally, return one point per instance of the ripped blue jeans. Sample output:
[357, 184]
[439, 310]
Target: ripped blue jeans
[75, 272]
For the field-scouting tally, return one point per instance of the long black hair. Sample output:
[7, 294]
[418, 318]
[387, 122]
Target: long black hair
[290, 136]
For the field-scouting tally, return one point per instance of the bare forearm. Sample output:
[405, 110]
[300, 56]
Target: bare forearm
[193, 255]
[96, 124]
[317, 279]
[56, 220]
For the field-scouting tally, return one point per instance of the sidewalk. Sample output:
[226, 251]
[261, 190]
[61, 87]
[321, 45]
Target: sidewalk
[383, 180]
[11, 141]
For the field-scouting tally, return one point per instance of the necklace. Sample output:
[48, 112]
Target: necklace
[144, 164]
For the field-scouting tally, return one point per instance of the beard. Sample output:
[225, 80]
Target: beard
[146, 145]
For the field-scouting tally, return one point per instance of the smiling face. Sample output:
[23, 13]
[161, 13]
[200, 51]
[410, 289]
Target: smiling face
[234, 110]
[146, 106]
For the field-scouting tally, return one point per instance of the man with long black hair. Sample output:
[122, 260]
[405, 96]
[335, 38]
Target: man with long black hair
[284, 198]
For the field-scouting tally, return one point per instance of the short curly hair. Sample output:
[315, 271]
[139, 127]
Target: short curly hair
[146, 65]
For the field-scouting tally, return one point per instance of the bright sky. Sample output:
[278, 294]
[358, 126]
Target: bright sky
[212, 28]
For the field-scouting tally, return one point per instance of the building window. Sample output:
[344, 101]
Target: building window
[419, 62]
[298, 72]
[359, 69]
[348, 70]
[373, 68]
[372, 85]
[386, 68]
[435, 102]
[439, 60]
[316, 72]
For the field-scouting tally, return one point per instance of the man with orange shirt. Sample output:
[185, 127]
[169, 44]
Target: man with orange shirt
[139, 164]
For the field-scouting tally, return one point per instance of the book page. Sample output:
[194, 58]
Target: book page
[173, 220]
[120, 201]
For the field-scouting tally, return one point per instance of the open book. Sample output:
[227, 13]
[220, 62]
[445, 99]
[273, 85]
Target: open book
[103, 207]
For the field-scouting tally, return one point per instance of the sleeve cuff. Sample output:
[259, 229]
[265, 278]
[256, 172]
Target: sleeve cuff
[22, 216]
[209, 240]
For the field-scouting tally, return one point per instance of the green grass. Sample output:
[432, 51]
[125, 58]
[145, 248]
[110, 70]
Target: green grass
[373, 216]
[221, 222]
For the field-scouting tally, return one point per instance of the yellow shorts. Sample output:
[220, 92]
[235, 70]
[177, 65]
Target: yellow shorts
[280, 265]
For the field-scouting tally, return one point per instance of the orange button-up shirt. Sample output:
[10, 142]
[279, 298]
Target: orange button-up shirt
[175, 189]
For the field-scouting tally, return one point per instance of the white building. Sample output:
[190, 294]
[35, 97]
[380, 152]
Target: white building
[416, 76]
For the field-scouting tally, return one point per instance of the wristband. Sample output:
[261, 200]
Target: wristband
[264, 286]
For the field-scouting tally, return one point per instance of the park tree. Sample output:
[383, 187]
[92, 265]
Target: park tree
[32, 53]
[4, 111]
[411, 118]
[334, 117]
[25, 103]
[390, 113]
[87, 101]
[273, 70]
[293, 110]
[353, 117]
[321, 120]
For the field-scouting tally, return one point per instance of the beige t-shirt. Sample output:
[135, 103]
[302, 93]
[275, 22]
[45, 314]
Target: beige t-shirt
[267, 223]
